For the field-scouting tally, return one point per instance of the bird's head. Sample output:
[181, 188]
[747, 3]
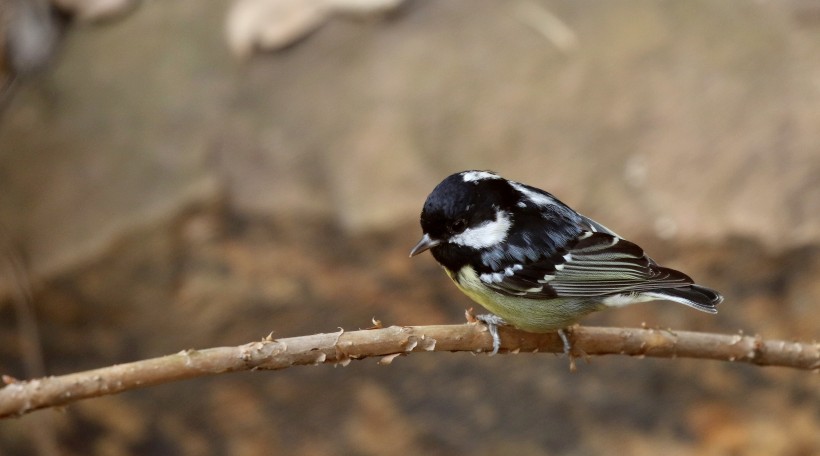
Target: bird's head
[470, 210]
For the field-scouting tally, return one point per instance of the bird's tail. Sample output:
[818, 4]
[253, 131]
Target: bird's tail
[694, 296]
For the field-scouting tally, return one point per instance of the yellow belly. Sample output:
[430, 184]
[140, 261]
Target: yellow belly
[533, 315]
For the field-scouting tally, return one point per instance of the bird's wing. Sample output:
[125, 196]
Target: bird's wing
[598, 264]
[596, 227]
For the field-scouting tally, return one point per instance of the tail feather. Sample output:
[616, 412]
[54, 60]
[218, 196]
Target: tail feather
[694, 296]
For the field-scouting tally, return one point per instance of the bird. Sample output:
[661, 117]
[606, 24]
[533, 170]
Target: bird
[534, 262]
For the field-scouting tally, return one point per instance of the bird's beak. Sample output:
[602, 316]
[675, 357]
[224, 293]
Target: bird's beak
[425, 243]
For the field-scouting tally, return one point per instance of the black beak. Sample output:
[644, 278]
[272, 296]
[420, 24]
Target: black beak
[425, 243]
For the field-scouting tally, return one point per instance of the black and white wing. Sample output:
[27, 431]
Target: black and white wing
[597, 265]
[596, 227]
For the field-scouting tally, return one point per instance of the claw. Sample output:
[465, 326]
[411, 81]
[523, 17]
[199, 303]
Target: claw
[492, 322]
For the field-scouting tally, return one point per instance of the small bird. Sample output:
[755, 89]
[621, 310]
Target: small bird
[534, 262]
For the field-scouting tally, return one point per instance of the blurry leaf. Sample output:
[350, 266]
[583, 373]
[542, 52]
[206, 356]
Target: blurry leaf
[95, 10]
[272, 24]
[29, 35]
[364, 6]
[275, 24]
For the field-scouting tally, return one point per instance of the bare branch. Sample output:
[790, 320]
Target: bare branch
[20, 397]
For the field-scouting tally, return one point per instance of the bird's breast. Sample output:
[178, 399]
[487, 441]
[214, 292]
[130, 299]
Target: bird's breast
[533, 315]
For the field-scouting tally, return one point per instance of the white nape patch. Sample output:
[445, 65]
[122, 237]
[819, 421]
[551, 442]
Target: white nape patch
[535, 198]
[474, 176]
[626, 299]
[487, 234]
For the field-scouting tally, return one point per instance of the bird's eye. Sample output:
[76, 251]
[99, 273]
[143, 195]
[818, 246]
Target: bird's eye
[459, 226]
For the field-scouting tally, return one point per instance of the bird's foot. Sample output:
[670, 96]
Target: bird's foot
[492, 322]
[562, 333]
[570, 351]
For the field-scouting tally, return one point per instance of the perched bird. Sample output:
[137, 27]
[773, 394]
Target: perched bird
[535, 263]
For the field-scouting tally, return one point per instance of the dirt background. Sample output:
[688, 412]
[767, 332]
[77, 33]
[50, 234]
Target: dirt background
[161, 194]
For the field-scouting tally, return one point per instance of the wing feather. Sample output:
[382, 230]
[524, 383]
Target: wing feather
[598, 264]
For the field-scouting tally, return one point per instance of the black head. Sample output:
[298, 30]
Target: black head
[480, 218]
[470, 209]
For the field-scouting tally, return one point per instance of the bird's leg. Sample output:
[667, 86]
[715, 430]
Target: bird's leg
[492, 322]
[567, 345]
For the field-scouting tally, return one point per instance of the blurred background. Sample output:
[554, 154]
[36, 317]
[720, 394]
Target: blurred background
[197, 173]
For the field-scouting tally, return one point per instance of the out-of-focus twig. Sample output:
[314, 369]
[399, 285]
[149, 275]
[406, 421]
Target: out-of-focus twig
[547, 25]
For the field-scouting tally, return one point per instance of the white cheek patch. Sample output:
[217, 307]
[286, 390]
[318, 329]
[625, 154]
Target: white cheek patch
[535, 198]
[474, 176]
[485, 235]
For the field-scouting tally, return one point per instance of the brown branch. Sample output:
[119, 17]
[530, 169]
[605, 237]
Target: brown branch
[20, 397]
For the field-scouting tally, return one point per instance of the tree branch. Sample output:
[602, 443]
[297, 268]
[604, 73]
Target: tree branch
[20, 397]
